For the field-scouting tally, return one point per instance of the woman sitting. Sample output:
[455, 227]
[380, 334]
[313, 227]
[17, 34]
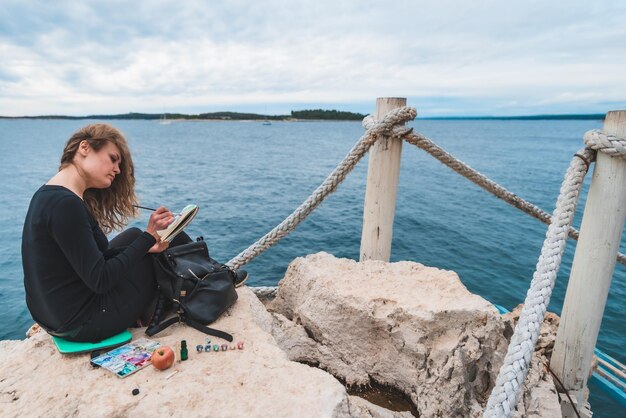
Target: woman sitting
[79, 285]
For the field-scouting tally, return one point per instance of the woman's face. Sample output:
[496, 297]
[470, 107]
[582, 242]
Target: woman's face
[99, 168]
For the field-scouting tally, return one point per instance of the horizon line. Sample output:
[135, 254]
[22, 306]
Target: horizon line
[587, 116]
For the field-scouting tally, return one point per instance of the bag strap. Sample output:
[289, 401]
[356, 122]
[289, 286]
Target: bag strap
[178, 285]
[160, 327]
[207, 330]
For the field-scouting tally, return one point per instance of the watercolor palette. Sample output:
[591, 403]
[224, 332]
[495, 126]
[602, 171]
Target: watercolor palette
[129, 358]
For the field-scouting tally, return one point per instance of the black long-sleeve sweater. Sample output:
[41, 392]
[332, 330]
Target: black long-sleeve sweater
[66, 273]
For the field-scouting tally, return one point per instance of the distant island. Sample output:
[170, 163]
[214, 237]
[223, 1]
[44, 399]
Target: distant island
[314, 114]
[311, 114]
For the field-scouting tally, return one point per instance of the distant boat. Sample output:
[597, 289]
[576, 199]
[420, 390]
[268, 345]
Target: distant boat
[164, 120]
[266, 121]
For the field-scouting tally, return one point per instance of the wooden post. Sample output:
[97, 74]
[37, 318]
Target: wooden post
[593, 265]
[381, 189]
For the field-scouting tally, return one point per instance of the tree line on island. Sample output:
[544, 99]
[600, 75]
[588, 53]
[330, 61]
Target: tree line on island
[314, 114]
[310, 114]
[326, 115]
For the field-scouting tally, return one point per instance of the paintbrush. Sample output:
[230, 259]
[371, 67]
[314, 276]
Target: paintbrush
[147, 208]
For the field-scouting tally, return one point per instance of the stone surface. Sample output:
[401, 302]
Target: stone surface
[359, 407]
[547, 332]
[35, 380]
[539, 398]
[403, 325]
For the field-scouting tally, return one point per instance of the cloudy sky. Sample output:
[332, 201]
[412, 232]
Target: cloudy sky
[272, 56]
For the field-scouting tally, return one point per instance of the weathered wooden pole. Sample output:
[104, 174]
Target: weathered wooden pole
[380, 192]
[593, 266]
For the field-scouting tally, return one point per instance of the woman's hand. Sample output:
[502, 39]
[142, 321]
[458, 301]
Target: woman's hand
[160, 219]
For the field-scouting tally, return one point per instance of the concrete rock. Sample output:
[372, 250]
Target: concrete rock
[359, 407]
[547, 332]
[403, 325]
[35, 380]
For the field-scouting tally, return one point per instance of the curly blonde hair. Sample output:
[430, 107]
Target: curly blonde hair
[113, 206]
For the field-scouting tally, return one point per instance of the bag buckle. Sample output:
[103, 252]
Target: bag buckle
[180, 315]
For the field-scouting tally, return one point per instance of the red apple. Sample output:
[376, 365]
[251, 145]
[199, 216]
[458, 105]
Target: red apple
[163, 358]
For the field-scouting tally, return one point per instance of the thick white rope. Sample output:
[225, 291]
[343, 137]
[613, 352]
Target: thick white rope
[389, 126]
[492, 187]
[594, 139]
[609, 144]
[480, 179]
[265, 292]
[513, 372]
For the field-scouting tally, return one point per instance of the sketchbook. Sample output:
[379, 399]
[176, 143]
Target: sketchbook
[180, 222]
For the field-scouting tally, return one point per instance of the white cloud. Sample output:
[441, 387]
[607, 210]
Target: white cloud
[89, 57]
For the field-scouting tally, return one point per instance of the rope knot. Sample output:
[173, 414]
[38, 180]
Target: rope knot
[391, 124]
[599, 140]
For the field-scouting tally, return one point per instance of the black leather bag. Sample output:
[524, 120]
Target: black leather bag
[200, 288]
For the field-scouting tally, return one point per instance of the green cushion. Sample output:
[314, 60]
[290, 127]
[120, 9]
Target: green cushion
[71, 347]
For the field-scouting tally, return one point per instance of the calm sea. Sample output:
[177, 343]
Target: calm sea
[247, 177]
